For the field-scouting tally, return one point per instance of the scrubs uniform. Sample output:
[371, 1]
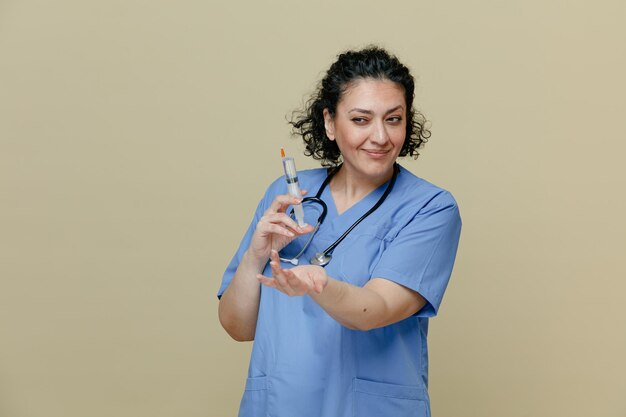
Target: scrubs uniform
[306, 364]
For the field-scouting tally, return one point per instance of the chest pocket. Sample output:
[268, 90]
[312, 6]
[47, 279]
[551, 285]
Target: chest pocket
[359, 253]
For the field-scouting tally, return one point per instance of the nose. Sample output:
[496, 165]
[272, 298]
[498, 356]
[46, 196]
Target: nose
[380, 136]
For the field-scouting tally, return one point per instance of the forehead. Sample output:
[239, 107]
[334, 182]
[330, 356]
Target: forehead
[371, 93]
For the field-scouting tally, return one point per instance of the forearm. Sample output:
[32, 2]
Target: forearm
[357, 308]
[239, 305]
[379, 303]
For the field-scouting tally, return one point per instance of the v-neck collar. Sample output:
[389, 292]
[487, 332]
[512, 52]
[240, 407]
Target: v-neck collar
[352, 214]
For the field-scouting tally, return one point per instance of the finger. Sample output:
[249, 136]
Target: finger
[270, 282]
[277, 272]
[266, 281]
[274, 256]
[292, 282]
[285, 220]
[280, 274]
[307, 228]
[268, 228]
[281, 202]
[288, 222]
[295, 283]
[282, 285]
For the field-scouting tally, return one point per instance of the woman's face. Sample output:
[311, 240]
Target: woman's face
[369, 127]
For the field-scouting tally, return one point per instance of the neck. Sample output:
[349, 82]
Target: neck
[349, 188]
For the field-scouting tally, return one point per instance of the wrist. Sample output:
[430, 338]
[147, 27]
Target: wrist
[254, 261]
[320, 281]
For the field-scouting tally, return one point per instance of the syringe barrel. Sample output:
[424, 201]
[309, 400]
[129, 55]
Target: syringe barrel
[290, 170]
[299, 212]
[294, 189]
[291, 175]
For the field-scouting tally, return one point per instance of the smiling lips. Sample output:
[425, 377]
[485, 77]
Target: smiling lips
[376, 153]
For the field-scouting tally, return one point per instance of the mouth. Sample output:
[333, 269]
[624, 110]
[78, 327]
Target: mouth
[376, 153]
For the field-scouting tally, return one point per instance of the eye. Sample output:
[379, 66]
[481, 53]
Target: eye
[359, 120]
[394, 119]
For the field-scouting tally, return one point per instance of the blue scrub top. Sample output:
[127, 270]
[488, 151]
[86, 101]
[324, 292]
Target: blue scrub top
[306, 364]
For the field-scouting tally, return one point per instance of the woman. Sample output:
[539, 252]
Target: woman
[347, 339]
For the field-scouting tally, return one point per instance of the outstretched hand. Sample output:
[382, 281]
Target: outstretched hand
[297, 281]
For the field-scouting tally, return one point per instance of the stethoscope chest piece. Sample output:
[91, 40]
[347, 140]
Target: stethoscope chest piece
[320, 259]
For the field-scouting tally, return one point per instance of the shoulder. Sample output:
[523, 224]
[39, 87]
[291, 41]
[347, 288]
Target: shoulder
[419, 194]
[420, 210]
[311, 179]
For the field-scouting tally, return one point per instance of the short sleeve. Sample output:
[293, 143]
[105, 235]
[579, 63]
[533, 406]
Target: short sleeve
[421, 255]
[277, 187]
[243, 246]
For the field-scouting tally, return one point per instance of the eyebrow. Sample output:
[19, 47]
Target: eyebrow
[356, 109]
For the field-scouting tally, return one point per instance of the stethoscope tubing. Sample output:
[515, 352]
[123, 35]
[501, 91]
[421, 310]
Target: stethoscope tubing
[320, 219]
[324, 257]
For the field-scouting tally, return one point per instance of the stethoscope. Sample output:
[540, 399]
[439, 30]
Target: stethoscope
[324, 257]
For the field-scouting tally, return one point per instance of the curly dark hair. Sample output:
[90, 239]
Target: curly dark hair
[370, 62]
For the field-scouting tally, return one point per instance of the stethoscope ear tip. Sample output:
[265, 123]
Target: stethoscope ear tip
[292, 261]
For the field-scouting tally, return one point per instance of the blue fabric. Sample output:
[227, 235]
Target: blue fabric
[303, 362]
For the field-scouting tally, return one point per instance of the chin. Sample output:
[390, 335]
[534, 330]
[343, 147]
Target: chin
[378, 170]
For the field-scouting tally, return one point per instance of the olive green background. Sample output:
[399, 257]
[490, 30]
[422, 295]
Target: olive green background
[136, 138]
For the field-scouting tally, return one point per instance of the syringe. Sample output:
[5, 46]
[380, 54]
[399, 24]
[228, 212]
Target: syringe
[291, 175]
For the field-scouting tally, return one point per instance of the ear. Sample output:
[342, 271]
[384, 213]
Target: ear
[329, 125]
